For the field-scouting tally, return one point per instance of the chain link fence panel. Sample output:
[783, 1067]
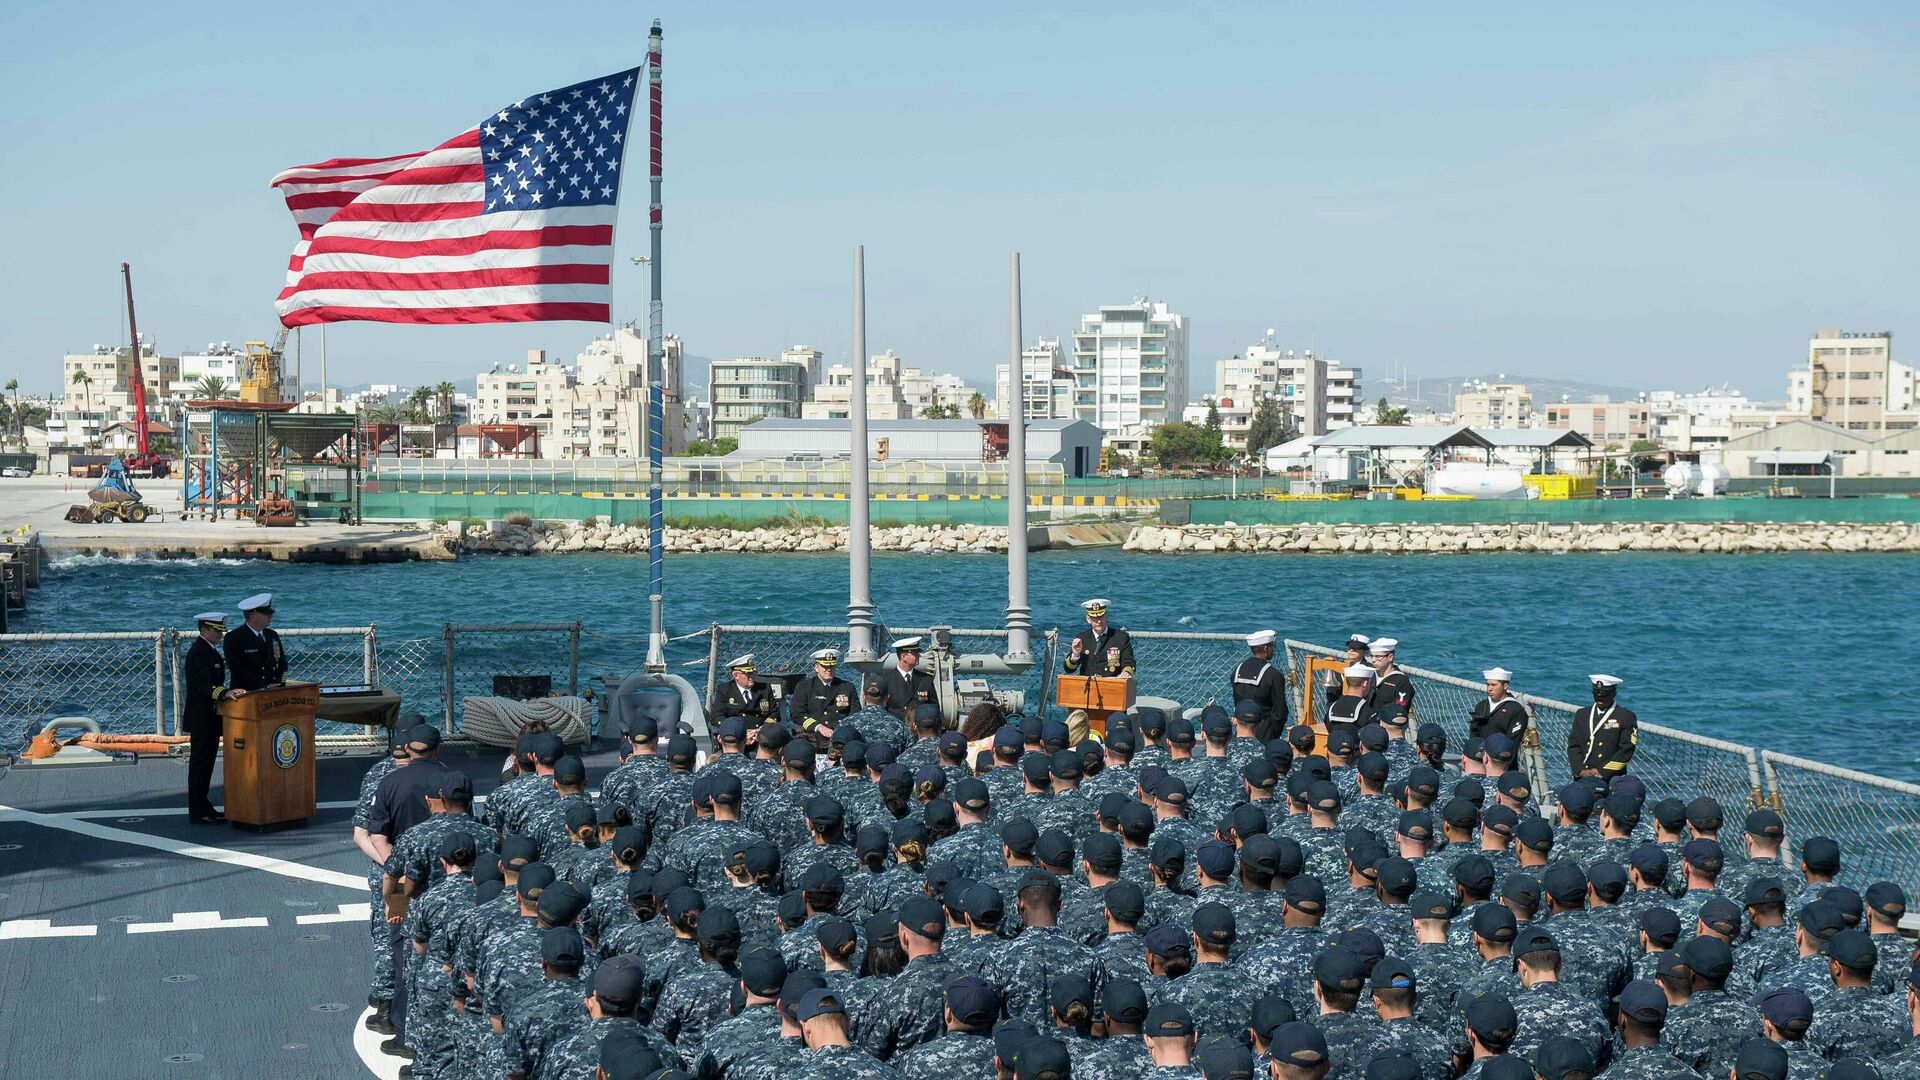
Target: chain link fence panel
[1875, 820]
[1195, 670]
[476, 656]
[119, 680]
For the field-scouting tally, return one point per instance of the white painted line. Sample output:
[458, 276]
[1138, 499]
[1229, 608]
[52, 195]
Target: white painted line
[194, 920]
[345, 913]
[367, 1045]
[39, 928]
[168, 811]
[251, 861]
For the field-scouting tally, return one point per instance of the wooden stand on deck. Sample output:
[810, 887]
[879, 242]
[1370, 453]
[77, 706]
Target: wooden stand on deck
[1311, 705]
[1099, 697]
[268, 749]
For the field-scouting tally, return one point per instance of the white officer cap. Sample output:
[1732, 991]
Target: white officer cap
[1261, 637]
[905, 643]
[1356, 639]
[829, 657]
[743, 662]
[1605, 680]
[217, 618]
[1095, 607]
[1497, 674]
[1382, 646]
[257, 601]
[1359, 671]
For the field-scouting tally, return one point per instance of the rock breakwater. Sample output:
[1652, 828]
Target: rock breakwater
[1693, 537]
[566, 538]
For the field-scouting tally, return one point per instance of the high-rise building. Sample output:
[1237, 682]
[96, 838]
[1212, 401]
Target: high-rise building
[749, 388]
[99, 383]
[1048, 379]
[1853, 383]
[1130, 367]
[1493, 405]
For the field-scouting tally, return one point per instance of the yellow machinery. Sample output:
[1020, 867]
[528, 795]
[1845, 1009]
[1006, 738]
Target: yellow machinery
[260, 385]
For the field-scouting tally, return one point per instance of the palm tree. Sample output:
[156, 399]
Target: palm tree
[444, 395]
[977, 405]
[417, 403]
[81, 378]
[212, 388]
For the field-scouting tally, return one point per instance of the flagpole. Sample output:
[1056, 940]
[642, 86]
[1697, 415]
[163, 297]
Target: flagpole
[656, 522]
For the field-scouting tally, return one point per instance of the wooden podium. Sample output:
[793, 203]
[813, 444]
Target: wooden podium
[1099, 697]
[268, 744]
[1311, 707]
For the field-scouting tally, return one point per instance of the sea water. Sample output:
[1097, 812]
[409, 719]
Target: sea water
[1808, 654]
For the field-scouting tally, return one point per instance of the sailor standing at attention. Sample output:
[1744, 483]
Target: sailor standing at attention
[1500, 711]
[205, 671]
[1100, 650]
[1604, 735]
[1353, 707]
[254, 656]
[742, 696]
[1356, 654]
[906, 686]
[1258, 681]
[1391, 686]
[823, 699]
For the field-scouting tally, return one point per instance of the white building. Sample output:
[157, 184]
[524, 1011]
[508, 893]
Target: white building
[99, 383]
[1853, 383]
[1072, 444]
[1317, 394]
[220, 361]
[1130, 367]
[1498, 404]
[1048, 382]
[747, 389]
[809, 356]
[894, 391]
[596, 408]
[1699, 420]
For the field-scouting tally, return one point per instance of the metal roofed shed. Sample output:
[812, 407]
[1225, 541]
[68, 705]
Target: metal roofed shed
[1381, 455]
[1779, 463]
[1536, 447]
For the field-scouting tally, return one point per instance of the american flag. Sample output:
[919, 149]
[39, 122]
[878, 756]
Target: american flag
[509, 221]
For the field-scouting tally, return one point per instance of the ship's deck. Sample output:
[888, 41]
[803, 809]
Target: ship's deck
[134, 945]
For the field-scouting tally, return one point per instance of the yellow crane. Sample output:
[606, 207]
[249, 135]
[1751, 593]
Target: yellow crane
[261, 382]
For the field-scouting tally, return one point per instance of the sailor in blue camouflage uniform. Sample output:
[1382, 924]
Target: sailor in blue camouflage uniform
[1708, 1030]
[1440, 968]
[1339, 979]
[614, 994]
[820, 891]
[1596, 961]
[1818, 922]
[427, 926]
[631, 780]
[1121, 952]
[503, 802]
[756, 1021]
[1856, 1020]
[568, 832]
[550, 1011]
[909, 1013]
[1026, 966]
[607, 905]
[1214, 994]
[1280, 964]
[831, 1054]
[975, 848]
[1771, 944]
[779, 815]
[694, 998]
[1788, 1014]
[1396, 991]
[1886, 905]
[510, 959]
[416, 859]
[966, 1049]
[552, 818]
[380, 985]
[702, 849]
[1576, 835]
[1546, 1007]
[1638, 1053]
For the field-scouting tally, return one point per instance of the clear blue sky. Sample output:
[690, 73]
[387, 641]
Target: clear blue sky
[1639, 194]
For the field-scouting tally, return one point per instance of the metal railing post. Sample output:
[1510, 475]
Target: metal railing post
[713, 660]
[369, 664]
[160, 669]
[173, 653]
[447, 631]
[573, 661]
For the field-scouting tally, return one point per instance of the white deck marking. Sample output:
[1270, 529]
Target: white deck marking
[249, 860]
[39, 928]
[350, 913]
[169, 811]
[194, 920]
[367, 1045]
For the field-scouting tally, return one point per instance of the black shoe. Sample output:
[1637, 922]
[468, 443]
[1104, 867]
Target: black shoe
[379, 1023]
[213, 819]
[406, 1072]
[396, 1048]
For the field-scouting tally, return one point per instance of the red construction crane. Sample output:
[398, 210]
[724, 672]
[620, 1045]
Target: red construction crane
[144, 457]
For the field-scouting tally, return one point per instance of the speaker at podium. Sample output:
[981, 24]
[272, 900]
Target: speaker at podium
[268, 750]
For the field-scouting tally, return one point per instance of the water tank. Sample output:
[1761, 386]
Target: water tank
[1679, 478]
[1478, 481]
[1713, 480]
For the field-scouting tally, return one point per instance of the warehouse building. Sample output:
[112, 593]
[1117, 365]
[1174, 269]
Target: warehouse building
[1073, 445]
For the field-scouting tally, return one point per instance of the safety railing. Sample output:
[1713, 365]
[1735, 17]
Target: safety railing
[1876, 820]
[477, 656]
[117, 678]
[330, 655]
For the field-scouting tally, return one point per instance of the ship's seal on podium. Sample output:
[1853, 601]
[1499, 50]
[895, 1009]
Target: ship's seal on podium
[286, 746]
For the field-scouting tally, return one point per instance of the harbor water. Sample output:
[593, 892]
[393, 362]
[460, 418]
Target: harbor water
[1810, 655]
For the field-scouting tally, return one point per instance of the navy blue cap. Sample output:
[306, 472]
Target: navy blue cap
[1643, 1000]
[1608, 878]
[1042, 1058]
[1708, 957]
[624, 1055]
[1822, 919]
[1102, 852]
[1493, 922]
[819, 1002]
[579, 815]
[1221, 1057]
[1298, 1044]
[1499, 748]
[1167, 940]
[1213, 924]
[453, 784]
[1703, 855]
[1430, 904]
[560, 903]
[733, 730]
[1853, 950]
[1394, 1067]
[1340, 968]
[619, 981]
[1429, 736]
[1167, 1020]
[1561, 1058]
[973, 1001]
[1564, 882]
[1515, 785]
[569, 770]
[1534, 834]
[561, 947]
[1661, 926]
[983, 904]
[1853, 1068]
[1216, 859]
[1126, 902]
[1788, 1009]
[1491, 1017]
[1054, 849]
[1704, 813]
[1886, 899]
[1534, 940]
[1269, 1014]
[1575, 798]
[1124, 1001]
[923, 917]
[1760, 1059]
[1307, 894]
[1393, 974]
[1821, 855]
[1721, 915]
[1622, 808]
[1650, 860]
[1500, 820]
[1474, 873]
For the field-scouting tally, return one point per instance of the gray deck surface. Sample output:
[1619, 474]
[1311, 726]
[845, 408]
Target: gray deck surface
[282, 1001]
